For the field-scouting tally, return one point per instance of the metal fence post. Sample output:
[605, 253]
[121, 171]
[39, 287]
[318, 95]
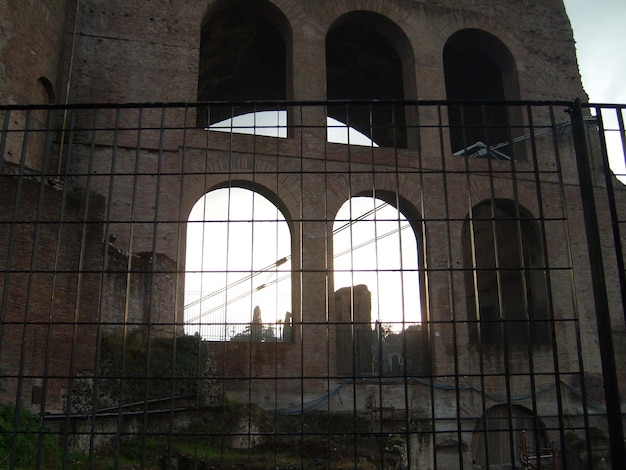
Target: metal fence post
[607, 352]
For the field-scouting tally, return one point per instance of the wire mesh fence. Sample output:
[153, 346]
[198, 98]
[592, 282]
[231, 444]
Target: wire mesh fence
[279, 290]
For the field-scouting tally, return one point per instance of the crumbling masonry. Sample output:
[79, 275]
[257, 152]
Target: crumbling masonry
[94, 201]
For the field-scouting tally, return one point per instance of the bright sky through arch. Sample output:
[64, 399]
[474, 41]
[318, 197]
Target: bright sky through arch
[238, 257]
[274, 124]
[375, 245]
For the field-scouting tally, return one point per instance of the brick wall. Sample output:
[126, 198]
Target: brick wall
[50, 288]
[136, 52]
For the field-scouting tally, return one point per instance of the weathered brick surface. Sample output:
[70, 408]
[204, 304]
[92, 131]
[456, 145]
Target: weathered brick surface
[31, 41]
[50, 253]
[131, 52]
[148, 52]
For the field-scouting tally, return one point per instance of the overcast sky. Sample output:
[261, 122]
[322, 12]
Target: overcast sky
[599, 33]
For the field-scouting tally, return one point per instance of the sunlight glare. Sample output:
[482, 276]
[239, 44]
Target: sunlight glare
[375, 245]
[235, 240]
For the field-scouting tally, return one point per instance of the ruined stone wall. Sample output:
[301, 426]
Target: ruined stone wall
[151, 53]
[148, 52]
[32, 38]
[130, 52]
[143, 298]
[50, 291]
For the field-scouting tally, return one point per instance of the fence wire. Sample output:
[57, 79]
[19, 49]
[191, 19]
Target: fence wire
[278, 290]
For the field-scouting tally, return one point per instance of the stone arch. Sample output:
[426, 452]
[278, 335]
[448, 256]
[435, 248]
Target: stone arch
[245, 55]
[403, 194]
[479, 67]
[503, 433]
[259, 262]
[252, 173]
[505, 282]
[476, 21]
[368, 56]
[262, 190]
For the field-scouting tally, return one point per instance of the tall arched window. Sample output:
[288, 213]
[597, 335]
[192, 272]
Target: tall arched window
[238, 268]
[243, 56]
[368, 57]
[479, 67]
[504, 275]
[377, 281]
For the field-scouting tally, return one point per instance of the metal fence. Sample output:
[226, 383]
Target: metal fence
[278, 290]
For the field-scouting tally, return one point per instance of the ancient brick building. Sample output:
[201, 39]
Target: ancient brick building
[472, 137]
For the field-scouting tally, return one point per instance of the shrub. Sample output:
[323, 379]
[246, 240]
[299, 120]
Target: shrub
[31, 440]
[132, 370]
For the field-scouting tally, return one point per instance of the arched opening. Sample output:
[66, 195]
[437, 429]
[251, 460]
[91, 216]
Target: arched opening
[510, 437]
[505, 278]
[367, 57]
[40, 129]
[479, 67]
[267, 123]
[238, 268]
[378, 300]
[46, 94]
[243, 56]
[274, 124]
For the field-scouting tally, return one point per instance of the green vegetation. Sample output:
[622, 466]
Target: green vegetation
[318, 440]
[133, 369]
[201, 434]
[30, 440]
